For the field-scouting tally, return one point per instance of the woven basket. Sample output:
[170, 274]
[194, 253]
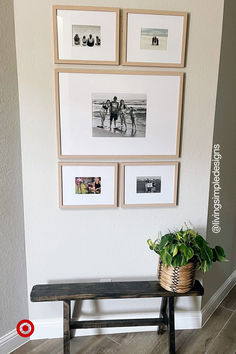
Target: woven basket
[179, 279]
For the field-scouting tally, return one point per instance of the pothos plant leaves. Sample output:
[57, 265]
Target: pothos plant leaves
[181, 247]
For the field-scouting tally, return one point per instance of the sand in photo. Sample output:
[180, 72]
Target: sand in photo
[119, 115]
[86, 36]
[148, 184]
[88, 185]
[153, 38]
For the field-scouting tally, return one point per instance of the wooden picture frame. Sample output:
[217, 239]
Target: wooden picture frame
[102, 24]
[87, 185]
[154, 38]
[152, 117]
[149, 184]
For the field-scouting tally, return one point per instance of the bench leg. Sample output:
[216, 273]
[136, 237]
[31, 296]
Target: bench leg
[161, 327]
[171, 325]
[66, 326]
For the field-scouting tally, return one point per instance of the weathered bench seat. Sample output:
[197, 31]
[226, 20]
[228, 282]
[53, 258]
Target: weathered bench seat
[113, 290]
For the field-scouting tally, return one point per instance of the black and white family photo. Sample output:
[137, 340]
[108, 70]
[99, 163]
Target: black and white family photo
[86, 36]
[119, 115]
[154, 38]
[148, 184]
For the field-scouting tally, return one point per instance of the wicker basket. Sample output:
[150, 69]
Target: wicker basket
[179, 279]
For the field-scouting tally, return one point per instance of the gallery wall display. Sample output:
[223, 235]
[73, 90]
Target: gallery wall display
[154, 38]
[88, 185]
[149, 184]
[86, 35]
[130, 114]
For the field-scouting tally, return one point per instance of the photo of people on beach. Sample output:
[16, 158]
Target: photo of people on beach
[88, 185]
[86, 36]
[154, 38]
[148, 184]
[119, 115]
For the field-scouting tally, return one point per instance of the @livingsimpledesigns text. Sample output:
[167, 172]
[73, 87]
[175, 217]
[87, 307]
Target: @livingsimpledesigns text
[216, 165]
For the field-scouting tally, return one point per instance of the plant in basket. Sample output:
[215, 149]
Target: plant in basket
[181, 253]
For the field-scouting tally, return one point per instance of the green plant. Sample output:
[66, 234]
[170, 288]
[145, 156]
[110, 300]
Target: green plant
[181, 247]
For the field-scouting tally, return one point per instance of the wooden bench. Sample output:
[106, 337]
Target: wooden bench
[113, 290]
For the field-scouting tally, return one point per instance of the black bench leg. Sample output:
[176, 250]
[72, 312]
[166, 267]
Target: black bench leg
[171, 325]
[163, 314]
[66, 326]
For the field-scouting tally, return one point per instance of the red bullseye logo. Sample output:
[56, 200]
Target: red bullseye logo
[25, 328]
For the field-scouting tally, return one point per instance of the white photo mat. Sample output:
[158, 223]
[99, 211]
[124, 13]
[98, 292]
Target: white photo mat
[172, 55]
[68, 172]
[67, 17]
[74, 93]
[164, 172]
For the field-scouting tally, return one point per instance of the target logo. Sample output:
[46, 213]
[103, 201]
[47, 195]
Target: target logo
[25, 328]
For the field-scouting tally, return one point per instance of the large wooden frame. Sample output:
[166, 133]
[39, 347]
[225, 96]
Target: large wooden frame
[85, 8]
[157, 141]
[87, 164]
[125, 48]
[123, 165]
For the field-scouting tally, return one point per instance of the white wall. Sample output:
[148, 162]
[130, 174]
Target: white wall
[13, 299]
[66, 245]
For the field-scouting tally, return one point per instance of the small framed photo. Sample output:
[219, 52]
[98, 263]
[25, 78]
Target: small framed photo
[125, 114]
[86, 35]
[88, 185]
[149, 184]
[154, 38]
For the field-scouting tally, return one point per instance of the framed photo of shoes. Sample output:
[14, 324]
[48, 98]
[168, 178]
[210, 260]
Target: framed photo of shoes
[86, 35]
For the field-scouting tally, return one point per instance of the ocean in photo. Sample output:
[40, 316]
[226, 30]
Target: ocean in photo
[146, 38]
[139, 104]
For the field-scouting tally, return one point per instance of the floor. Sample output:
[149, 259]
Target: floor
[218, 336]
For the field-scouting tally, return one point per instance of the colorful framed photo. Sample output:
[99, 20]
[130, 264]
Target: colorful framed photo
[122, 114]
[149, 184]
[154, 38]
[88, 185]
[86, 35]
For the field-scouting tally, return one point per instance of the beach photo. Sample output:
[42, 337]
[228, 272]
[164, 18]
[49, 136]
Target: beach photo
[119, 115]
[88, 185]
[154, 38]
[86, 36]
[148, 184]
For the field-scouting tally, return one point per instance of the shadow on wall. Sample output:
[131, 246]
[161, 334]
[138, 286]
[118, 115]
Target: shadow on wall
[95, 309]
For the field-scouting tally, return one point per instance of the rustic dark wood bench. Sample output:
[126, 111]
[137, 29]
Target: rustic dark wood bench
[113, 290]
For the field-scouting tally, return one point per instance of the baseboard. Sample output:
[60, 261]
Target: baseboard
[218, 297]
[53, 328]
[11, 341]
